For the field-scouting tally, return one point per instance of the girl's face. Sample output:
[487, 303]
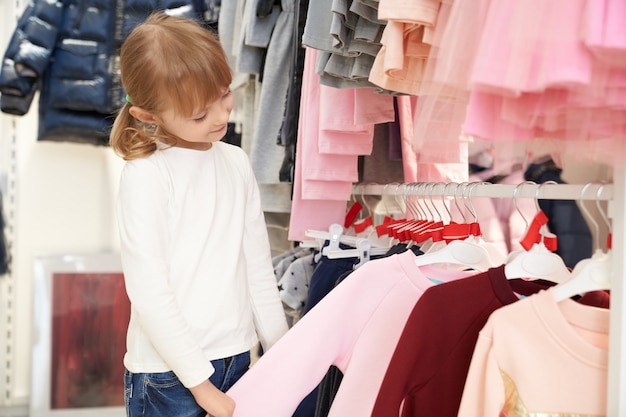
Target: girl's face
[206, 126]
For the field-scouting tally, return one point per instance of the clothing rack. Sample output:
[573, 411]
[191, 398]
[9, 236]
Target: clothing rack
[523, 190]
[614, 193]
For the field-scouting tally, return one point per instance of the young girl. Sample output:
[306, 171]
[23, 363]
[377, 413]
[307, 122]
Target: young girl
[194, 244]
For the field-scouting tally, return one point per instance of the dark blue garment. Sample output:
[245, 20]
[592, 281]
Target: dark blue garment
[327, 389]
[324, 277]
[68, 51]
[327, 275]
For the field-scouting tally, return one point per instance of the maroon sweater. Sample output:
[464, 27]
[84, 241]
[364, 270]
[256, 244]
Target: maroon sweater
[429, 366]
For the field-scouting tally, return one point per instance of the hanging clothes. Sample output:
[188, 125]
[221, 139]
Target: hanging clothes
[67, 51]
[523, 70]
[427, 372]
[355, 327]
[539, 356]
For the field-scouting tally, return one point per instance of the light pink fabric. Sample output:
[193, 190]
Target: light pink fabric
[372, 107]
[316, 166]
[406, 104]
[529, 347]
[416, 171]
[603, 31]
[522, 70]
[316, 213]
[355, 327]
[338, 131]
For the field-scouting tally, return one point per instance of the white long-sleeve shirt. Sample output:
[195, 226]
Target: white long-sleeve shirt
[196, 261]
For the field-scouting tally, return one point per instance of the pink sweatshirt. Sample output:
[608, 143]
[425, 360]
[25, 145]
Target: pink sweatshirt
[539, 357]
[355, 327]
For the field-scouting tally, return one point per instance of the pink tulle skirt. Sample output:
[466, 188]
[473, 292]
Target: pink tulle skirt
[517, 70]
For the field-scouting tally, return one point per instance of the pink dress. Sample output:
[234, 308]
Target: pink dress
[526, 69]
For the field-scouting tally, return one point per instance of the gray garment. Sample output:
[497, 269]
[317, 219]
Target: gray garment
[343, 23]
[243, 85]
[355, 28]
[266, 156]
[367, 10]
[337, 71]
[230, 13]
[293, 287]
[275, 196]
[249, 57]
[317, 28]
[347, 35]
[282, 262]
[259, 30]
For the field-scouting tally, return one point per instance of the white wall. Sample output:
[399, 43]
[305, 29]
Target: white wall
[64, 197]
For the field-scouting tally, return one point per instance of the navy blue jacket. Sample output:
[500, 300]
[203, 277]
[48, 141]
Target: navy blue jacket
[68, 51]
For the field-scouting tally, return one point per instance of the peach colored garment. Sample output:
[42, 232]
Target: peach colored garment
[543, 357]
[400, 64]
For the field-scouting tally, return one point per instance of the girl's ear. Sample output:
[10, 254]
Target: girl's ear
[142, 115]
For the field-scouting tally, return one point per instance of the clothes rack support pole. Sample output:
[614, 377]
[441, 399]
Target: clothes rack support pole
[616, 402]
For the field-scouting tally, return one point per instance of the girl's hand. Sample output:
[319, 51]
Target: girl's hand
[212, 400]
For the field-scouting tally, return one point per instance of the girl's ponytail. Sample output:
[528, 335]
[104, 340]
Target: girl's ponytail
[130, 138]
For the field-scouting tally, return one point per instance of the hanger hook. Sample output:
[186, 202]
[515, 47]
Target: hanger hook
[423, 195]
[471, 206]
[585, 210]
[515, 191]
[456, 202]
[543, 228]
[382, 197]
[365, 203]
[408, 207]
[415, 191]
[397, 194]
[443, 200]
[432, 191]
[362, 187]
[537, 192]
[604, 215]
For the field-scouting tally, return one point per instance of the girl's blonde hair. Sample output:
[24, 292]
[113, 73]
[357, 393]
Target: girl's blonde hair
[166, 62]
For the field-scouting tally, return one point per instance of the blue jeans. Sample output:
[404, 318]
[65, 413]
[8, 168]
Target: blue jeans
[163, 395]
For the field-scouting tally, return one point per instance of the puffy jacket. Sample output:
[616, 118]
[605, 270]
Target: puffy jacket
[68, 50]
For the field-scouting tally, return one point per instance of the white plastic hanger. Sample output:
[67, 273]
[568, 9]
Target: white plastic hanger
[496, 255]
[592, 274]
[468, 253]
[364, 247]
[430, 245]
[538, 262]
[335, 236]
